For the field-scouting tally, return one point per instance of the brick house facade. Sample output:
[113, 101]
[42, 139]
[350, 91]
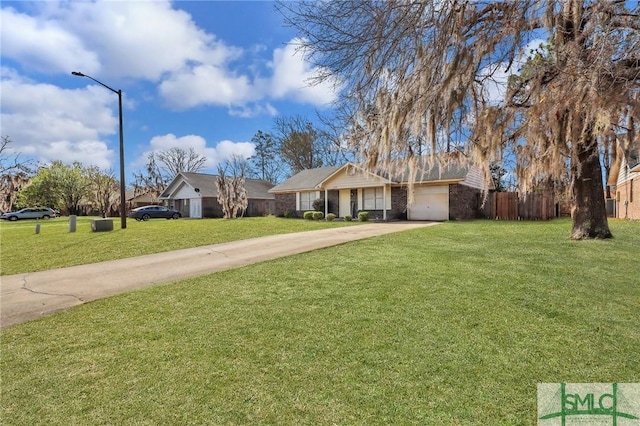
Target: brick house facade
[451, 192]
[628, 188]
[464, 204]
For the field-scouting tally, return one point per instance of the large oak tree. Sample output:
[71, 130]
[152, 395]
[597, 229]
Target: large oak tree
[417, 75]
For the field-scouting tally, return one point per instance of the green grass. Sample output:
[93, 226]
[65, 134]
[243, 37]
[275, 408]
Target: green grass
[23, 250]
[453, 324]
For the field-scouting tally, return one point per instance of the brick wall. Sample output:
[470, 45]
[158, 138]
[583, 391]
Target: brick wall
[630, 192]
[464, 202]
[398, 203]
[287, 202]
[211, 207]
[284, 203]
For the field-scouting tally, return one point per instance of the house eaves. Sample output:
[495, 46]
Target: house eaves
[348, 169]
[305, 180]
[206, 185]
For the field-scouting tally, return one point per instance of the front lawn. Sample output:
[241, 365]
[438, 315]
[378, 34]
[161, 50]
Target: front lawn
[54, 247]
[453, 324]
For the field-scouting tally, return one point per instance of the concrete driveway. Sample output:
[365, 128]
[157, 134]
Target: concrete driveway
[31, 295]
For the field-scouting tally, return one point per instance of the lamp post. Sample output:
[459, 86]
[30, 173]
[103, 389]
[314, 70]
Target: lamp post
[123, 196]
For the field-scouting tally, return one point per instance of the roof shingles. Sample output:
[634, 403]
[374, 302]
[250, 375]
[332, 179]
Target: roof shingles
[256, 188]
[305, 180]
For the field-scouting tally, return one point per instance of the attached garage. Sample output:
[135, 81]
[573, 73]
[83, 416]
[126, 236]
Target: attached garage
[430, 203]
[441, 192]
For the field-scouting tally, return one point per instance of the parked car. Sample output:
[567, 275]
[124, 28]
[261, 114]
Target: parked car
[30, 213]
[154, 212]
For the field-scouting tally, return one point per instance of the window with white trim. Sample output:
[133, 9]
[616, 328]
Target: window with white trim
[307, 199]
[373, 198]
[634, 158]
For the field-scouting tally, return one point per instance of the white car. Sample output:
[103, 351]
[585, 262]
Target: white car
[30, 213]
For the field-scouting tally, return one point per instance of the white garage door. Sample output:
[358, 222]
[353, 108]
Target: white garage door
[430, 203]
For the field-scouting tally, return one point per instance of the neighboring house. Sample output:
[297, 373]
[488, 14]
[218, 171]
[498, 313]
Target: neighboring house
[139, 200]
[195, 195]
[447, 193]
[628, 187]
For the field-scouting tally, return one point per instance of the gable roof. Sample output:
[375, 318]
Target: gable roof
[352, 167]
[206, 183]
[313, 179]
[436, 172]
[305, 180]
[131, 195]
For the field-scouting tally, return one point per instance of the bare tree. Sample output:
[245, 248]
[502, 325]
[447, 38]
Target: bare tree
[104, 189]
[150, 181]
[418, 75]
[232, 194]
[338, 150]
[176, 160]
[14, 174]
[266, 162]
[303, 145]
[163, 166]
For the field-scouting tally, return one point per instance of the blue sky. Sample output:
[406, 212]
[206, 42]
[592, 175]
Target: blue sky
[201, 74]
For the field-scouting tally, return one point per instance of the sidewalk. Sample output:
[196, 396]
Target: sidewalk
[31, 295]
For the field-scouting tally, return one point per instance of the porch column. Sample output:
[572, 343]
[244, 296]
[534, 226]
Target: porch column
[384, 203]
[326, 202]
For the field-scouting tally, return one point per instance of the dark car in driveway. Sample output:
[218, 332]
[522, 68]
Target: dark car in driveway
[154, 212]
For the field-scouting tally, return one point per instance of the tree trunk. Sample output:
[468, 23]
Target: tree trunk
[590, 214]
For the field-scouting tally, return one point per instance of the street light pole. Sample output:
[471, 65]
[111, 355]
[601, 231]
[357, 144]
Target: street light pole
[123, 196]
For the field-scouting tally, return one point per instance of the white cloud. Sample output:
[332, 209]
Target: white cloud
[128, 45]
[132, 39]
[497, 76]
[253, 110]
[124, 41]
[494, 82]
[223, 151]
[87, 152]
[43, 45]
[206, 84]
[226, 149]
[293, 77]
[48, 123]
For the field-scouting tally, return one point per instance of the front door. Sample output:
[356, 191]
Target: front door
[345, 202]
[195, 208]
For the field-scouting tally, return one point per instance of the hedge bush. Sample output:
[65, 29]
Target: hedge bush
[348, 217]
[309, 215]
[318, 215]
[330, 217]
[318, 205]
[363, 216]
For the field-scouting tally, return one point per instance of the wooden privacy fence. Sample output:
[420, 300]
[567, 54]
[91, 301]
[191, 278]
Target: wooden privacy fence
[514, 206]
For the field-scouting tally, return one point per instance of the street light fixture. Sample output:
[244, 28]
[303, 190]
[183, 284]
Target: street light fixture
[123, 196]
